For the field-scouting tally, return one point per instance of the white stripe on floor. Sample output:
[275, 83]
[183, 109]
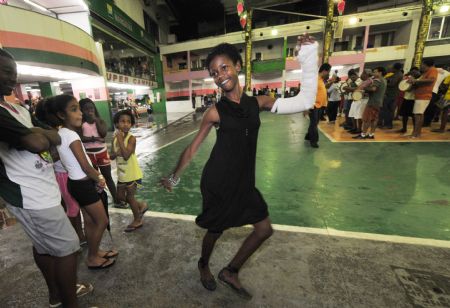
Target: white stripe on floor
[172, 142]
[320, 231]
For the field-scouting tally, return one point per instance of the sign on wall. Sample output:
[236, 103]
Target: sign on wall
[118, 78]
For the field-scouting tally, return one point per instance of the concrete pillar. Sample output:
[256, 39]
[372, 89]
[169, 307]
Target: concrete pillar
[47, 89]
[409, 53]
[365, 43]
[284, 61]
[424, 27]
[189, 71]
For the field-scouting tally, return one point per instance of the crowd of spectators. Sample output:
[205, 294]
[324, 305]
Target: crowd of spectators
[131, 66]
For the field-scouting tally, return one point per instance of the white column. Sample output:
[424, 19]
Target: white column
[409, 53]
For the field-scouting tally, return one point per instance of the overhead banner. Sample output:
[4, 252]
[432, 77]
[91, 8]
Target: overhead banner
[123, 79]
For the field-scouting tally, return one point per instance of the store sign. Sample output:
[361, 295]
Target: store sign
[115, 16]
[118, 78]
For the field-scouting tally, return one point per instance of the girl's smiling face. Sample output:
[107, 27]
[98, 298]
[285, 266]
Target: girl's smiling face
[224, 72]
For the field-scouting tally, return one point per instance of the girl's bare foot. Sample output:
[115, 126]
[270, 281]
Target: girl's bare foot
[206, 277]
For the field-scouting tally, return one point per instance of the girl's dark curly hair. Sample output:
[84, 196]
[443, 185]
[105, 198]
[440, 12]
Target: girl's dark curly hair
[127, 112]
[47, 109]
[224, 49]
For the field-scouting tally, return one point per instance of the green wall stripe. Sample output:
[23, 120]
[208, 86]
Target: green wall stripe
[48, 57]
[104, 109]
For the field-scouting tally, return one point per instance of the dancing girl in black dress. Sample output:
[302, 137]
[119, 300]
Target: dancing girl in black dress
[230, 198]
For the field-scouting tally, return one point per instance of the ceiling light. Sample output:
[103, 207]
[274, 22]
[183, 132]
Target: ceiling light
[208, 79]
[353, 20]
[444, 9]
[297, 71]
[127, 86]
[49, 72]
[274, 32]
[337, 67]
[36, 5]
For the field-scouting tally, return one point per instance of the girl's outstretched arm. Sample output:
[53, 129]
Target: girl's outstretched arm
[210, 118]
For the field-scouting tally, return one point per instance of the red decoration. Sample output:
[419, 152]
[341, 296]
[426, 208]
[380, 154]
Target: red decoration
[341, 6]
[240, 8]
[243, 22]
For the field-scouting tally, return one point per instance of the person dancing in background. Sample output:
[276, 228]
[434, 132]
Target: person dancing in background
[230, 198]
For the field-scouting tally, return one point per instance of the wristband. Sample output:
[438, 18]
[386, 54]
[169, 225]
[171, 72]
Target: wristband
[100, 177]
[172, 180]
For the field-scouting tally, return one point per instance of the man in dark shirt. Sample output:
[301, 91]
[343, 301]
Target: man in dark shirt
[376, 93]
[389, 104]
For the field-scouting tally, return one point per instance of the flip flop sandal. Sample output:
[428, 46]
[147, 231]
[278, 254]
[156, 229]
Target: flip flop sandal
[208, 284]
[82, 290]
[110, 254]
[103, 265]
[241, 292]
[131, 228]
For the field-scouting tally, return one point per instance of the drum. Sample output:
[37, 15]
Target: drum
[358, 95]
[343, 85]
[404, 85]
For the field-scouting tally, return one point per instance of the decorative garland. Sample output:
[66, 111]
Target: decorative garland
[242, 13]
[341, 7]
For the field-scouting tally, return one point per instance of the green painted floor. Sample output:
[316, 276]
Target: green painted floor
[385, 188]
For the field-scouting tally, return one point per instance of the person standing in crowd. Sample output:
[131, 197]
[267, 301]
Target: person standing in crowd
[321, 100]
[85, 182]
[230, 198]
[193, 100]
[70, 204]
[29, 188]
[387, 111]
[423, 93]
[376, 94]
[351, 86]
[358, 106]
[432, 110]
[93, 133]
[407, 106]
[446, 106]
[129, 174]
[334, 99]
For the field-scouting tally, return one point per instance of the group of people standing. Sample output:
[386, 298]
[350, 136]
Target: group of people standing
[58, 156]
[375, 98]
[29, 147]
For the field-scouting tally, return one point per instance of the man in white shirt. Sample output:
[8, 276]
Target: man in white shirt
[29, 188]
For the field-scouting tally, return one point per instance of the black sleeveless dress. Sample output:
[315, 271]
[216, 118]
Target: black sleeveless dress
[230, 198]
